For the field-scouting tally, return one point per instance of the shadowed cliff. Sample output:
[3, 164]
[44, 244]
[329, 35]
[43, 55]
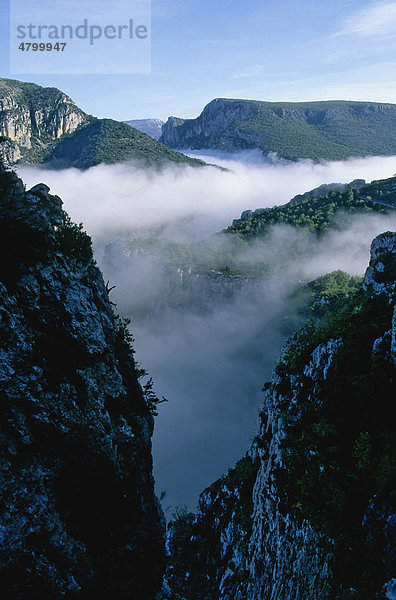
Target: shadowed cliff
[78, 515]
[310, 511]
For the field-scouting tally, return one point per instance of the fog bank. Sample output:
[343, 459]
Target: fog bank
[210, 342]
[190, 203]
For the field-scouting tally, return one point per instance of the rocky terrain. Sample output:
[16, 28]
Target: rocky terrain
[152, 127]
[44, 126]
[32, 120]
[331, 130]
[78, 515]
[309, 512]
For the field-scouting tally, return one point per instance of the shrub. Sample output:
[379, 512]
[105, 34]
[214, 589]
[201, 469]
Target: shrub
[73, 240]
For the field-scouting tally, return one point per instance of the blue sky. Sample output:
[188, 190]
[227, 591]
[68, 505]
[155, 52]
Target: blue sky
[261, 49]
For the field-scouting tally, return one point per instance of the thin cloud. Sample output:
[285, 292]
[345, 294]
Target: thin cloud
[250, 71]
[378, 19]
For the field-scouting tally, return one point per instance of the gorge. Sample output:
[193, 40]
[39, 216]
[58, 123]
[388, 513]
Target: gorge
[79, 518]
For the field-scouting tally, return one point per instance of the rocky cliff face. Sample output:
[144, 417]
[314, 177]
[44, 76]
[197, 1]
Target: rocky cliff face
[78, 515]
[43, 125]
[216, 127]
[318, 130]
[32, 120]
[153, 127]
[310, 511]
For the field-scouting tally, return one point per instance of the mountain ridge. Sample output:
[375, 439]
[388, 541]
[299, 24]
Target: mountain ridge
[152, 127]
[44, 126]
[316, 209]
[321, 130]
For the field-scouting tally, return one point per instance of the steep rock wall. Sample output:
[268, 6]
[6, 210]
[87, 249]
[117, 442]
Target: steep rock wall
[332, 130]
[32, 119]
[216, 127]
[310, 511]
[78, 515]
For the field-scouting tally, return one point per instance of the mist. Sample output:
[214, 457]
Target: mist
[189, 203]
[210, 342]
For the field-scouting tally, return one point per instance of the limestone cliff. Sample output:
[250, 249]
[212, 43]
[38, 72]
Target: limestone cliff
[153, 127]
[216, 127]
[78, 515]
[332, 130]
[43, 125]
[310, 511]
[33, 120]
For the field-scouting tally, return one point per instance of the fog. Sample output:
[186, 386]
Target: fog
[114, 200]
[209, 341]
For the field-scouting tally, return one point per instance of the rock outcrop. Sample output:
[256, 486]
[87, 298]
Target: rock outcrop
[216, 127]
[310, 511]
[32, 121]
[153, 127]
[44, 126]
[380, 275]
[78, 515]
[332, 130]
[380, 278]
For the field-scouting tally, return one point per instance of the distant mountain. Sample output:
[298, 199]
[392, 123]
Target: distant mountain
[332, 130]
[44, 126]
[108, 141]
[152, 127]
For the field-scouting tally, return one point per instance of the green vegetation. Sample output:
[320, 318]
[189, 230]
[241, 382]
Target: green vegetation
[241, 478]
[231, 252]
[39, 112]
[338, 457]
[240, 481]
[330, 130]
[340, 454]
[325, 295]
[24, 102]
[32, 95]
[151, 398]
[124, 344]
[321, 213]
[108, 141]
[31, 99]
[74, 242]
[333, 130]
[195, 542]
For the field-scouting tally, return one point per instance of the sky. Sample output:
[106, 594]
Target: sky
[275, 50]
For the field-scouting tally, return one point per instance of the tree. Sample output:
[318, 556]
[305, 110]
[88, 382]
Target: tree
[2, 140]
